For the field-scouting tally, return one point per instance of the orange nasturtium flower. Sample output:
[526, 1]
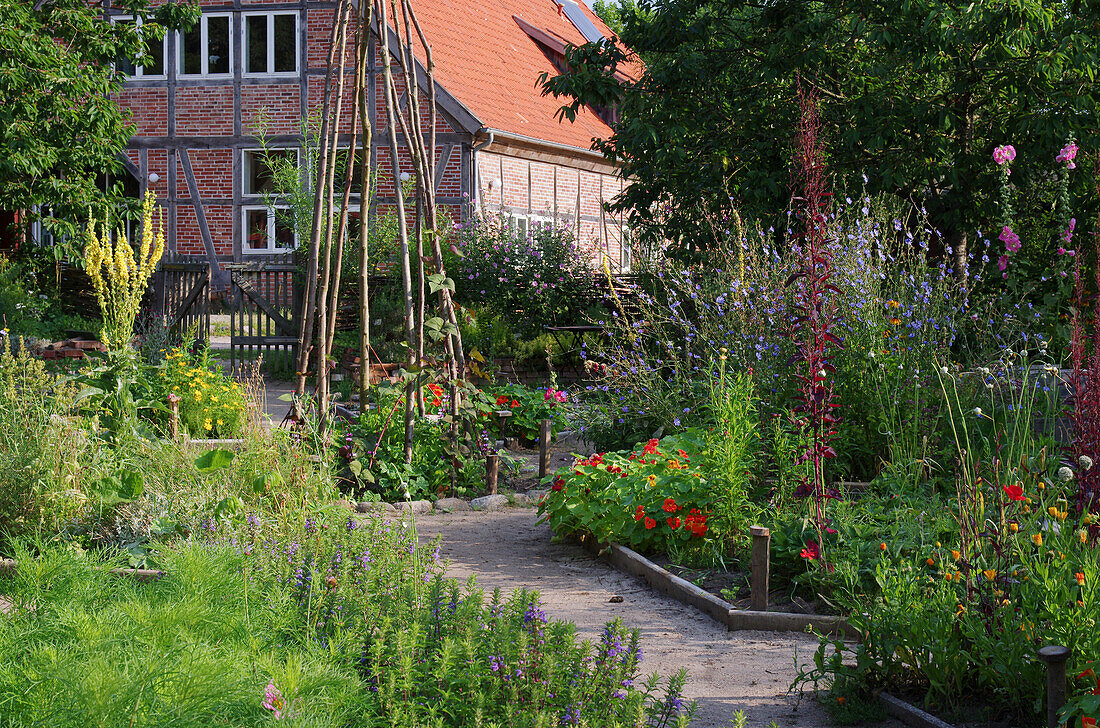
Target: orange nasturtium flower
[955, 554]
[882, 546]
[1080, 577]
[930, 562]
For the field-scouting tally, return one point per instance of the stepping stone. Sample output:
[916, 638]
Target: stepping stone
[450, 505]
[416, 506]
[489, 503]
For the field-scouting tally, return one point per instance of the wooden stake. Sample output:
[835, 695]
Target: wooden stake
[1055, 657]
[174, 409]
[544, 447]
[761, 566]
[492, 470]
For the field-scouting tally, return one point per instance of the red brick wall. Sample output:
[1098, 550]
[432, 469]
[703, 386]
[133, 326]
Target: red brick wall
[549, 190]
[280, 103]
[204, 111]
[148, 109]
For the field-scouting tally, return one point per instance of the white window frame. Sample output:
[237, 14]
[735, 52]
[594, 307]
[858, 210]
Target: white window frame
[246, 166]
[204, 42]
[626, 249]
[139, 71]
[270, 14]
[271, 249]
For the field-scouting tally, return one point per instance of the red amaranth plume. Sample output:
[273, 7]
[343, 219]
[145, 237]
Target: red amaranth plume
[814, 314]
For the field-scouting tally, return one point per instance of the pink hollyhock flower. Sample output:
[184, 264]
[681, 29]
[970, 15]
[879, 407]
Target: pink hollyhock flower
[1004, 154]
[1067, 234]
[1010, 239]
[1002, 262]
[1067, 154]
[274, 701]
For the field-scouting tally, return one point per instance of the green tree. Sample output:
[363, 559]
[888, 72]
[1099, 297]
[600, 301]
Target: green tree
[61, 131]
[916, 96]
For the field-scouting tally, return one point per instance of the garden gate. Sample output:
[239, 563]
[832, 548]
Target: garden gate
[181, 293]
[264, 297]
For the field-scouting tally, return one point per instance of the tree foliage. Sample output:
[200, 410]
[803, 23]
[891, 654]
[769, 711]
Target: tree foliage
[915, 95]
[61, 130]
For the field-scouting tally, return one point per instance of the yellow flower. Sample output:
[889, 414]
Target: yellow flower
[650, 480]
[990, 574]
[955, 554]
[208, 425]
[948, 576]
[1082, 536]
[1037, 538]
[1014, 527]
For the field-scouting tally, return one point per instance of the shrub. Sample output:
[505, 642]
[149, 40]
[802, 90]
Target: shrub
[531, 280]
[211, 404]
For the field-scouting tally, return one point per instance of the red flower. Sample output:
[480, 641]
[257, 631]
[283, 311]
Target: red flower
[670, 505]
[650, 447]
[596, 459]
[502, 399]
[812, 551]
[514, 404]
[683, 454]
[650, 523]
[1014, 492]
[436, 402]
[673, 522]
[1087, 722]
[558, 484]
[639, 514]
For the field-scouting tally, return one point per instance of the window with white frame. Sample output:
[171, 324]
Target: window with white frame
[270, 43]
[206, 48]
[267, 230]
[155, 59]
[259, 178]
[626, 255]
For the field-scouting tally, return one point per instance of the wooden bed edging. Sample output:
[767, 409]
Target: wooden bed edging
[142, 575]
[682, 590]
[910, 714]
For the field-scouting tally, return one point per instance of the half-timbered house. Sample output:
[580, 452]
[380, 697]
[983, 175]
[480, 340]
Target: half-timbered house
[501, 149]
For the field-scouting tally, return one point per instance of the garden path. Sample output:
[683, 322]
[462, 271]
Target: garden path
[729, 671]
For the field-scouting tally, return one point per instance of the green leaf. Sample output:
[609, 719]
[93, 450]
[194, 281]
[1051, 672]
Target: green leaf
[212, 460]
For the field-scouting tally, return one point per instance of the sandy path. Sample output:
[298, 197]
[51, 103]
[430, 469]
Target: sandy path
[729, 671]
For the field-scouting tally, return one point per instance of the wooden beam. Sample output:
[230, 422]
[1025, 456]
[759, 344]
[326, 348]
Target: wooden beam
[218, 276]
[441, 165]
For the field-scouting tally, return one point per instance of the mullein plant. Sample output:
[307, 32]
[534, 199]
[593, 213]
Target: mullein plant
[814, 304]
[119, 274]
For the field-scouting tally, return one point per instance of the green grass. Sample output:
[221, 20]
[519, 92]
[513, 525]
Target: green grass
[195, 648]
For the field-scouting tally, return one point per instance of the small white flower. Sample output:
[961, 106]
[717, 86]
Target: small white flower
[1085, 462]
[1064, 474]
[821, 373]
[405, 176]
[977, 411]
[944, 370]
[871, 353]
[1023, 353]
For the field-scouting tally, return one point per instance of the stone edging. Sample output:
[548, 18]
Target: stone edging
[493, 502]
[682, 590]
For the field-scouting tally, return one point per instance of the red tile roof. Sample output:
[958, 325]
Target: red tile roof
[486, 60]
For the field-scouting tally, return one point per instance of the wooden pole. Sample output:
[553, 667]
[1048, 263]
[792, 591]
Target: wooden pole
[761, 566]
[1055, 657]
[544, 447]
[492, 471]
[174, 409]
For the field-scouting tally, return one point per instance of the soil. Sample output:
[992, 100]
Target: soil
[729, 671]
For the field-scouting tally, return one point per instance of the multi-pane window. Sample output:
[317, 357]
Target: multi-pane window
[205, 49]
[258, 176]
[270, 43]
[267, 230]
[153, 62]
